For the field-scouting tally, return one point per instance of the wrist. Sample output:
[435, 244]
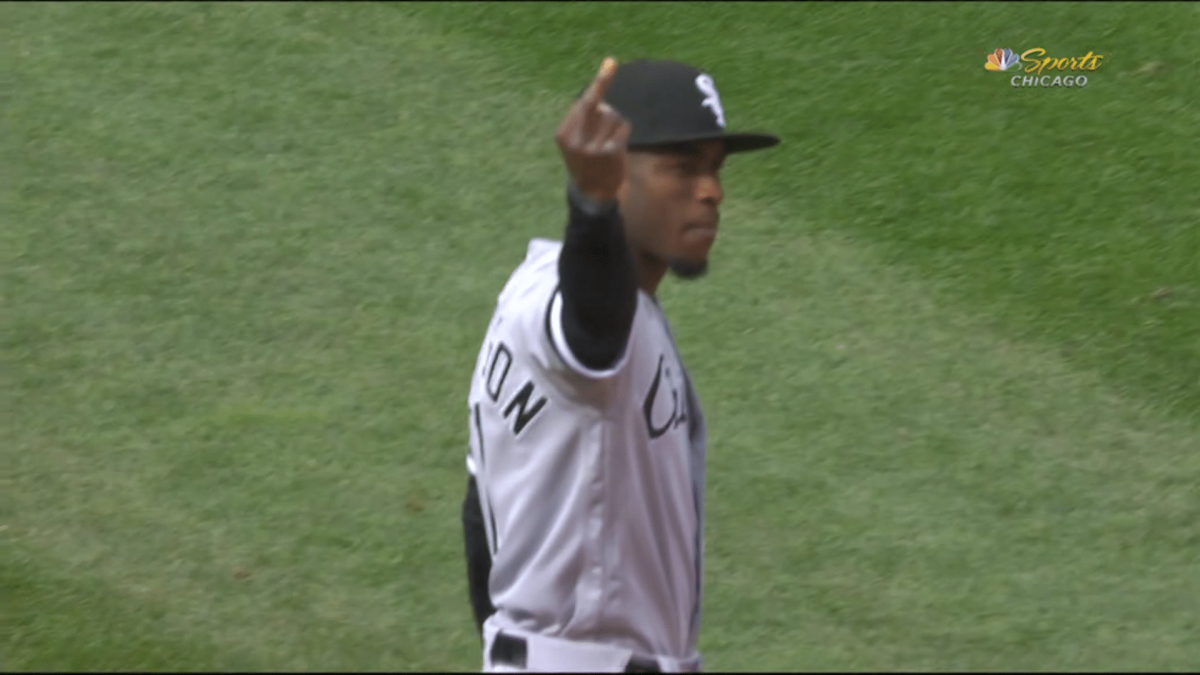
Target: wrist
[590, 204]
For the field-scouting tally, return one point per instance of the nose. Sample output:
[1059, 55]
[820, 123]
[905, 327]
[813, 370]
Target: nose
[710, 191]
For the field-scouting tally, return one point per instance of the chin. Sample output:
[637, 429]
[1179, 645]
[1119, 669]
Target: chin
[688, 269]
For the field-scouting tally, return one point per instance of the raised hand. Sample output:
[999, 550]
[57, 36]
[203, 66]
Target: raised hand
[592, 139]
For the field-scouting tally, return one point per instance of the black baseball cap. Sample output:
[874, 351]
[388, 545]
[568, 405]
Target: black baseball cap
[667, 101]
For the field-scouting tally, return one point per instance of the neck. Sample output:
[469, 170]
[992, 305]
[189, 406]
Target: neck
[650, 273]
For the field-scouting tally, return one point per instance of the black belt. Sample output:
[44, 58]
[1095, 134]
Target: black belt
[512, 651]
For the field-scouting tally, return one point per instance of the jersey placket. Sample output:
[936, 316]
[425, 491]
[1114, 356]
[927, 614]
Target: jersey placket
[697, 440]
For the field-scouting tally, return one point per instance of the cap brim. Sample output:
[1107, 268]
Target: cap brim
[749, 141]
[735, 142]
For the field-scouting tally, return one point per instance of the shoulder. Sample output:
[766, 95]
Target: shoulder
[523, 304]
[528, 322]
[535, 278]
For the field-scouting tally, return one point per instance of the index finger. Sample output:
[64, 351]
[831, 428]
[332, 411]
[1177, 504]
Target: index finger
[595, 92]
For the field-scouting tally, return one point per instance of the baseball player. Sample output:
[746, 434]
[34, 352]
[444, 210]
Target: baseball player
[584, 515]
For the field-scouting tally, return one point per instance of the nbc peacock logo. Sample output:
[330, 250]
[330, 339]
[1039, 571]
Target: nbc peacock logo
[1001, 60]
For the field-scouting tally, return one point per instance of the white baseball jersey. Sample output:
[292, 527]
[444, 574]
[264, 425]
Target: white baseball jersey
[591, 482]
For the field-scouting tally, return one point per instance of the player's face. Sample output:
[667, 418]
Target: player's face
[670, 203]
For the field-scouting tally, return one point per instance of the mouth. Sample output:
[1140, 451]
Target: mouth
[706, 226]
[703, 235]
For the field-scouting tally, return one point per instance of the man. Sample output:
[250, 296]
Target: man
[585, 503]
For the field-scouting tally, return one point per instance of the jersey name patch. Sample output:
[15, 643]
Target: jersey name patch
[495, 372]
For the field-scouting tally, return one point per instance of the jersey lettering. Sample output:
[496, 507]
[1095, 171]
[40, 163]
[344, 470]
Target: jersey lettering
[678, 411]
[500, 362]
[493, 384]
[520, 401]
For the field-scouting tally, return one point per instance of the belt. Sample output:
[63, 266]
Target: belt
[513, 651]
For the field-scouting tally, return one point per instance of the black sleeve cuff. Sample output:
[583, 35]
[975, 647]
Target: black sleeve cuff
[586, 205]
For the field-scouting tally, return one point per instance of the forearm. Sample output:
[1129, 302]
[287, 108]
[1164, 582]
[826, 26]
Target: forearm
[598, 282]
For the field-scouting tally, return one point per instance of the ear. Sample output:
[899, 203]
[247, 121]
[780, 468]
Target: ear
[627, 194]
[633, 167]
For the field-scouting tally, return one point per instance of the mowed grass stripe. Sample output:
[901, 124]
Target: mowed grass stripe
[312, 436]
[921, 490]
[57, 621]
[1066, 214]
[252, 350]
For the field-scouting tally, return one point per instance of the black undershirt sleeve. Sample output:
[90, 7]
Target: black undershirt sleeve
[598, 281]
[479, 557]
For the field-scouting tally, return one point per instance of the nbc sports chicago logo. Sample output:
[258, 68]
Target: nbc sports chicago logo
[1041, 70]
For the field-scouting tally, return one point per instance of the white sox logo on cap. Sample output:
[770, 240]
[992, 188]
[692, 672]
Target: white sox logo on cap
[711, 100]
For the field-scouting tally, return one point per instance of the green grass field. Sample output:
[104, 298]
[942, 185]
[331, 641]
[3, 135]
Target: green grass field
[949, 347]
